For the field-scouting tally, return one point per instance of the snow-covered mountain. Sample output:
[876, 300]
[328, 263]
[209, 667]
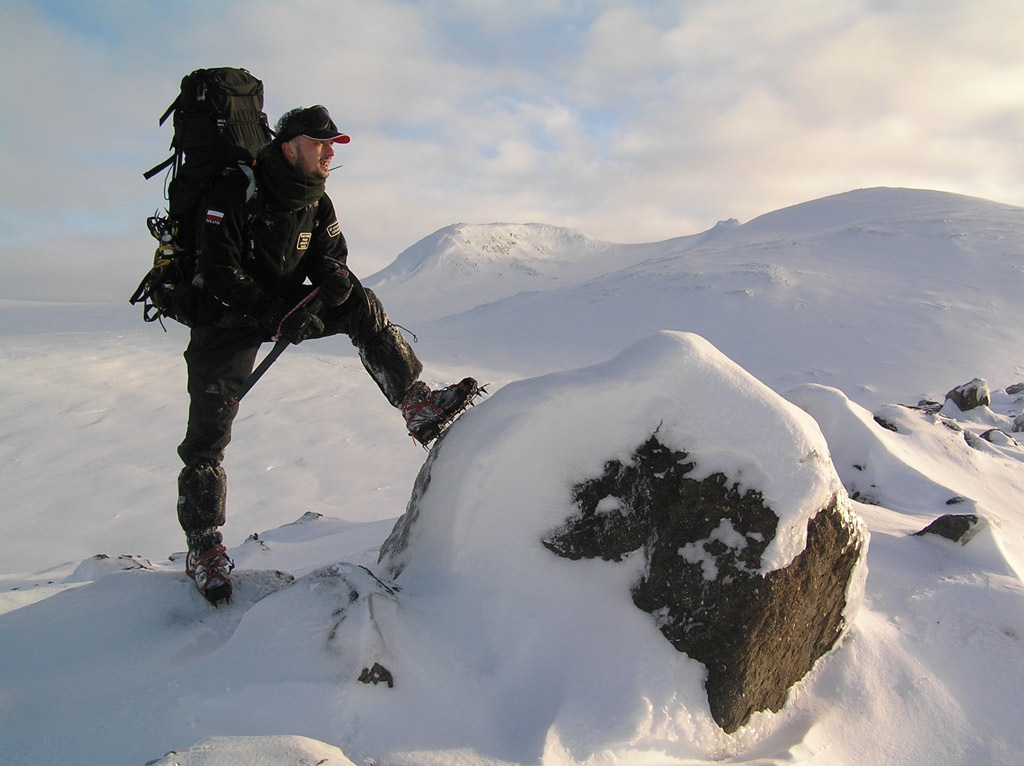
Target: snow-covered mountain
[831, 291]
[846, 306]
[455, 269]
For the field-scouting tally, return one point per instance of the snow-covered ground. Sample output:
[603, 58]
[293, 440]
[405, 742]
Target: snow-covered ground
[847, 307]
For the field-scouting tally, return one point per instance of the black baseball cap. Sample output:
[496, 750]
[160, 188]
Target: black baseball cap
[312, 122]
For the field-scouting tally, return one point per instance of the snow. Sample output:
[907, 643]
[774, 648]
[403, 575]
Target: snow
[794, 335]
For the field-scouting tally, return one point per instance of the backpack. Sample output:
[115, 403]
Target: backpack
[219, 124]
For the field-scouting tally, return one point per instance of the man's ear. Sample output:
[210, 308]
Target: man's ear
[291, 153]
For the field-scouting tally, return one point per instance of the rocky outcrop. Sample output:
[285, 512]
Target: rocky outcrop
[757, 634]
[958, 527]
[717, 557]
[970, 395]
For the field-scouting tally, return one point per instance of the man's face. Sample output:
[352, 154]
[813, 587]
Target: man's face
[310, 157]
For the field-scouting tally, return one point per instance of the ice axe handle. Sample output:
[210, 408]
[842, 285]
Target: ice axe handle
[314, 303]
[256, 374]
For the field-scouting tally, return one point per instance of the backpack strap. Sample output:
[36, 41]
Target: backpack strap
[170, 109]
[162, 166]
[166, 163]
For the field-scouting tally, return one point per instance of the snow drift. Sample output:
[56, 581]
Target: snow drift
[474, 529]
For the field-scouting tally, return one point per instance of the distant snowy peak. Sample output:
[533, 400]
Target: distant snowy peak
[465, 265]
[467, 248]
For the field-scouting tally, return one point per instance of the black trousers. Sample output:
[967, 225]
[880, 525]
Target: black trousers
[219, 358]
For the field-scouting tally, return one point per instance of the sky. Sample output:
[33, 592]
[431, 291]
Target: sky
[630, 121]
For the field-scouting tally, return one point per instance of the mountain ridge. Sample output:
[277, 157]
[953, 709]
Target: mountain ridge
[433, 277]
[954, 266]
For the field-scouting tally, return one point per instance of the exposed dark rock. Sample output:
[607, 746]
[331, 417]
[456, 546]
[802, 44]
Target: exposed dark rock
[1016, 388]
[887, 425]
[757, 634]
[867, 497]
[951, 424]
[378, 674]
[959, 528]
[970, 395]
[398, 541]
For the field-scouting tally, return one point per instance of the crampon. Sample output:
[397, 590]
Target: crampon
[428, 413]
[210, 570]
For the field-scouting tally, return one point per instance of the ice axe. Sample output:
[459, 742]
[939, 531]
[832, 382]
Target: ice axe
[314, 304]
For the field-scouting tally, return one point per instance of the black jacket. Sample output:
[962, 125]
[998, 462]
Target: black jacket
[251, 252]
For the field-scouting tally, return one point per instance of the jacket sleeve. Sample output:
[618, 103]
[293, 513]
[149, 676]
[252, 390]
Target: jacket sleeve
[221, 242]
[328, 250]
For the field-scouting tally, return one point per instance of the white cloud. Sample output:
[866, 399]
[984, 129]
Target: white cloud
[631, 121]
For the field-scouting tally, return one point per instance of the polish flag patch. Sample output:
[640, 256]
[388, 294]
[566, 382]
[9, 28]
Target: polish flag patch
[214, 216]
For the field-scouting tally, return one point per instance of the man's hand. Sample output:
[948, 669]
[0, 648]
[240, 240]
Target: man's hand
[335, 287]
[294, 324]
[300, 324]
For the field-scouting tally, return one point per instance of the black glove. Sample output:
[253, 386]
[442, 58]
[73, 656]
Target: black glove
[335, 287]
[294, 324]
[300, 324]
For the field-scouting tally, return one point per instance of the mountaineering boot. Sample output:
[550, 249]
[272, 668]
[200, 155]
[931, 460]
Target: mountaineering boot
[427, 412]
[202, 491]
[210, 569]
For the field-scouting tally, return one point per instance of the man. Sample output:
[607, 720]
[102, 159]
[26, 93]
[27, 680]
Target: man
[257, 255]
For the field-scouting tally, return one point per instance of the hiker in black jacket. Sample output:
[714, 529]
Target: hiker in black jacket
[273, 265]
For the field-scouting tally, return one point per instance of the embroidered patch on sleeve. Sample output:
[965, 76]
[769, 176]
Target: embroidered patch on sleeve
[214, 216]
[333, 228]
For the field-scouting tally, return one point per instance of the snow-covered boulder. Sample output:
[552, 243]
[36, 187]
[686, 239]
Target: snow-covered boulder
[665, 494]
[269, 750]
[970, 395]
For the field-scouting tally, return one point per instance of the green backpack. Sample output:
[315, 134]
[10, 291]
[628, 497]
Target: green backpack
[219, 123]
